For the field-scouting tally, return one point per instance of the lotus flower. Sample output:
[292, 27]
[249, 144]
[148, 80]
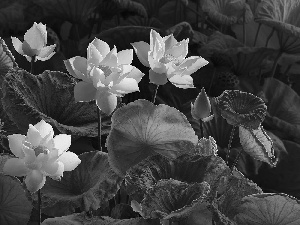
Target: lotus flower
[40, 155]
[201, 109]
[105, 74]
[34, 45]
[166, 58]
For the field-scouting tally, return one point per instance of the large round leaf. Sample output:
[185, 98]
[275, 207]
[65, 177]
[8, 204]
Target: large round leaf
[87, 187]
[271, 209]
[227, 12]
[283, 109]
[186, 168]
[15, 208]
[141, 129]
[172, 199]
[74, 11]
[285, 18]
[49, 96]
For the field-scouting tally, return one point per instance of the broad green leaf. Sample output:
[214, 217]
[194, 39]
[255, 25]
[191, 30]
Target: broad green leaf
[173, 199]
[258, 144]
[271, 209]
[83, 219]
[283, 109]
[87, 187]
[141, 129]
[15, 208]
[49, 96]
[186, 168]
[74, 11]
[3, 159]
[284, 17]
[234, 188]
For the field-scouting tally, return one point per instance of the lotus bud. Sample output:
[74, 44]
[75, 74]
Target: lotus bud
[201, 108]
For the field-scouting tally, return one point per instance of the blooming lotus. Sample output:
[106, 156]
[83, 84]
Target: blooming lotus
[166, 58]
[105, 74]
[39, 154]
[34, 45]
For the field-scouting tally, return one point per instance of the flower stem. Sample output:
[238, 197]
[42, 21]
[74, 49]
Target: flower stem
[201, 128]
[99, 129]
[39, 207]
[229, 144]
[155, 92]
[31, 64]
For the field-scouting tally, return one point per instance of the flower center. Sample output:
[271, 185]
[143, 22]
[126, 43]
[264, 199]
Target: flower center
[41, 149]
[169, 58]
[106, 70]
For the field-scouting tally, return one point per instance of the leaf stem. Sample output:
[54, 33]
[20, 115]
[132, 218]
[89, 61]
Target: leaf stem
[275, 63]
[99, 128]
[256, 36]
[236, 159]
[229, 144]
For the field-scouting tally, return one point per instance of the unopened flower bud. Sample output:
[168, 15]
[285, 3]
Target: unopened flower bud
[201, 108]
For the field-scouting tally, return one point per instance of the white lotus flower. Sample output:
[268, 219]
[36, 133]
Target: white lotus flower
[166, 58]
[39, 154]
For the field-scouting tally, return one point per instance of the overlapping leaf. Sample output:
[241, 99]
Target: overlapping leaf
[141, 129]
[15, 208]
[284, 17]
[186, 168]
[271, 209]
[49, 96]
[283, 109]
[74, 11]
[87, 187]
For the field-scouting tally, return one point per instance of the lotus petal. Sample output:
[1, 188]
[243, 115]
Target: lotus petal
[15, 208]
[87, 187]
[285, 18]
[49, 96]
[141, 129]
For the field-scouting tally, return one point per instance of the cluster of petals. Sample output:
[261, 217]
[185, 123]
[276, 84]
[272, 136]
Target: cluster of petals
[105, 74]
[34, 44]
[167, 59]
[39, 154]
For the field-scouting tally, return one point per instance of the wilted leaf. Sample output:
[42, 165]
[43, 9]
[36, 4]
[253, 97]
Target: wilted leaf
[258, 144]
